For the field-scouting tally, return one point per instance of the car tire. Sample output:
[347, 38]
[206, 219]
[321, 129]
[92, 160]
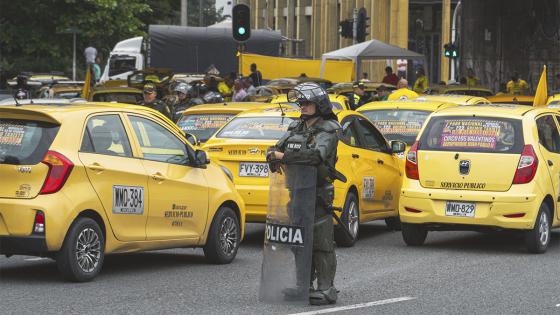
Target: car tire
[414, 234]
[224, 237]
[537, 239]
[393, 223]
[81, 257]
[351, 218]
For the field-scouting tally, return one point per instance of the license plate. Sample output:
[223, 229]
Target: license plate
[128, 200]
[460, 209]
[253, 169]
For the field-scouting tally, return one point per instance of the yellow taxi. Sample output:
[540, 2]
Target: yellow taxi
[364, 157]
[118, 94]
[339, 102]
[484, 167]
[511, 99]
[202, 121]
[69, 90]
[347, 88]
[459, 89]
[553, 101]
[401, 120]
[455, 99]
[94, 179]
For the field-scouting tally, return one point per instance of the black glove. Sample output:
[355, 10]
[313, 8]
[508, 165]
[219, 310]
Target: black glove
[273, 163]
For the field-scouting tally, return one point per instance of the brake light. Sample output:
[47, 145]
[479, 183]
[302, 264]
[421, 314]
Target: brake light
[59, 170]
[39, 225]
[412, 210]
[411, 166]
[527, 167]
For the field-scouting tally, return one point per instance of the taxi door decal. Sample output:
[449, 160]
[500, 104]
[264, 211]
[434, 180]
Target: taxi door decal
[368, 190]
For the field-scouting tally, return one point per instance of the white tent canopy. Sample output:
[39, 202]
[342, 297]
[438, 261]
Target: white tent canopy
[370, 50]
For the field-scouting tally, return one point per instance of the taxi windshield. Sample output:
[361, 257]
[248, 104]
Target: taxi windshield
[119, 97]
[398, 124]
[260, 128]
[473, 134]
[203, 126]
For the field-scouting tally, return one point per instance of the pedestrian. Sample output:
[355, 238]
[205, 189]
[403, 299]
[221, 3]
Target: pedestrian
[401, 68]
[90, 53]
[312, 140]
[249, 87]
[472, 79]
[182, 101]
[382, 93]
[239, 93]
[151, 100]
[421, 83]
[22, 89]
[97, 69]
[255, 75]
[360, 96]
[517, 86]
[365, 77]
[402, 92]
[390, 77]
[225, 88]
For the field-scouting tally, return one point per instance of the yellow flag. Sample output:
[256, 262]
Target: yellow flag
[541, 94]
[86, 89]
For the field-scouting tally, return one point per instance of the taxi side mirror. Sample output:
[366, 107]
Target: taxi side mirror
[192, 139]
[200, 159]
[397, 146]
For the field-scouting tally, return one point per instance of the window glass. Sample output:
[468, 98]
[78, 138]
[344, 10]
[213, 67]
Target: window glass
[157, 143]
[262, 128]
[349, 135]
[398, 124]
[203, 126]
[25, 142]
[473, 134]
[119, 97]
[106, 135]
[371, 138]
[548, 133]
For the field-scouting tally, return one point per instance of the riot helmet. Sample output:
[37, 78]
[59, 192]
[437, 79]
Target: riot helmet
[182, 88]
[314, 93]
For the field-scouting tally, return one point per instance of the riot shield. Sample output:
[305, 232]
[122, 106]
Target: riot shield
[288, 244]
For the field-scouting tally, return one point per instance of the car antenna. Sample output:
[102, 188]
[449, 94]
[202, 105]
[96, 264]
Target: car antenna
[281, 109]
[17, 103]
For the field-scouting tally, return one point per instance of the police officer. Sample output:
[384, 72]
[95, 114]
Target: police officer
[151, 100]
[312, 140]
[361, 97]
[22, 91]
[182, 101]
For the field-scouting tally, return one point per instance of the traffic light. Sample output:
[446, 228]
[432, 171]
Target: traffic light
[362, 25]
[345, 28]
[450, 50]
[241, 22]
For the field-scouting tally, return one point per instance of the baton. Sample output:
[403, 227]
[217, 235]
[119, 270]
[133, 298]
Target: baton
[340, 224]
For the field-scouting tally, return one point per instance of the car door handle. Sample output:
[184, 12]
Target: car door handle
[96, 167]
[550, 163]
[158, 177]
[380, 161]
[355, 156]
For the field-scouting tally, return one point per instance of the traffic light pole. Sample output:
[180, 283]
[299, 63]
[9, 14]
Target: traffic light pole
[355, 27]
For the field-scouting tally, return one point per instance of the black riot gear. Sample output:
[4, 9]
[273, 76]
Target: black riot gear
[314, 93]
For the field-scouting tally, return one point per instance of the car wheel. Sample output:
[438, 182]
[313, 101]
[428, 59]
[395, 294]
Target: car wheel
[224, 237]
[414, 234]
[538, 238]
[393, 223]
[351, 219]
[81, 257]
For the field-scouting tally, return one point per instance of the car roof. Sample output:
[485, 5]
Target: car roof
[408, 104]
[497, 110]
[454, 98]
[509, 98]
[112, 89]
[228, 107]
[39, 101]
[460, 87]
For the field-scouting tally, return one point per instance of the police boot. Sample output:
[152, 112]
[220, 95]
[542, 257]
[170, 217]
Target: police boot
[295, 294]
[323, 297]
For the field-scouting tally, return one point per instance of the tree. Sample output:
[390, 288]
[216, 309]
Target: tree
[209, 13]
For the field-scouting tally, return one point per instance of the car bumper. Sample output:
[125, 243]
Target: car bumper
[491, 208]
[30, 245]
[256, 201]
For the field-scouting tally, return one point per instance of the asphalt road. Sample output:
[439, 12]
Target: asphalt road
[454, 273]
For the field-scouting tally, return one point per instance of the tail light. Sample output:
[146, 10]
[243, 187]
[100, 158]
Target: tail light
[411, 166]
[412, 210]
[59, 170]
[527, 167]
[39, 225]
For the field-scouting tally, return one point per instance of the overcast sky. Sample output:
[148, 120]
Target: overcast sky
[222, 3]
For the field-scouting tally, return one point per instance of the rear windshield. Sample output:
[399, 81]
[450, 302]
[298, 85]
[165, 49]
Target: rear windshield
[24, 142]
[127, 98]
[261, 128]
[473, 134]
[68, 95]
[203, 126]
[398, 124]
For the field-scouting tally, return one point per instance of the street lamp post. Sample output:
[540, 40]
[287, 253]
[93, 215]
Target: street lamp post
[74, 31]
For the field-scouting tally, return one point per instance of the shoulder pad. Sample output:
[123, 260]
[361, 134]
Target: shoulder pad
[329, 125]
[294, 124]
